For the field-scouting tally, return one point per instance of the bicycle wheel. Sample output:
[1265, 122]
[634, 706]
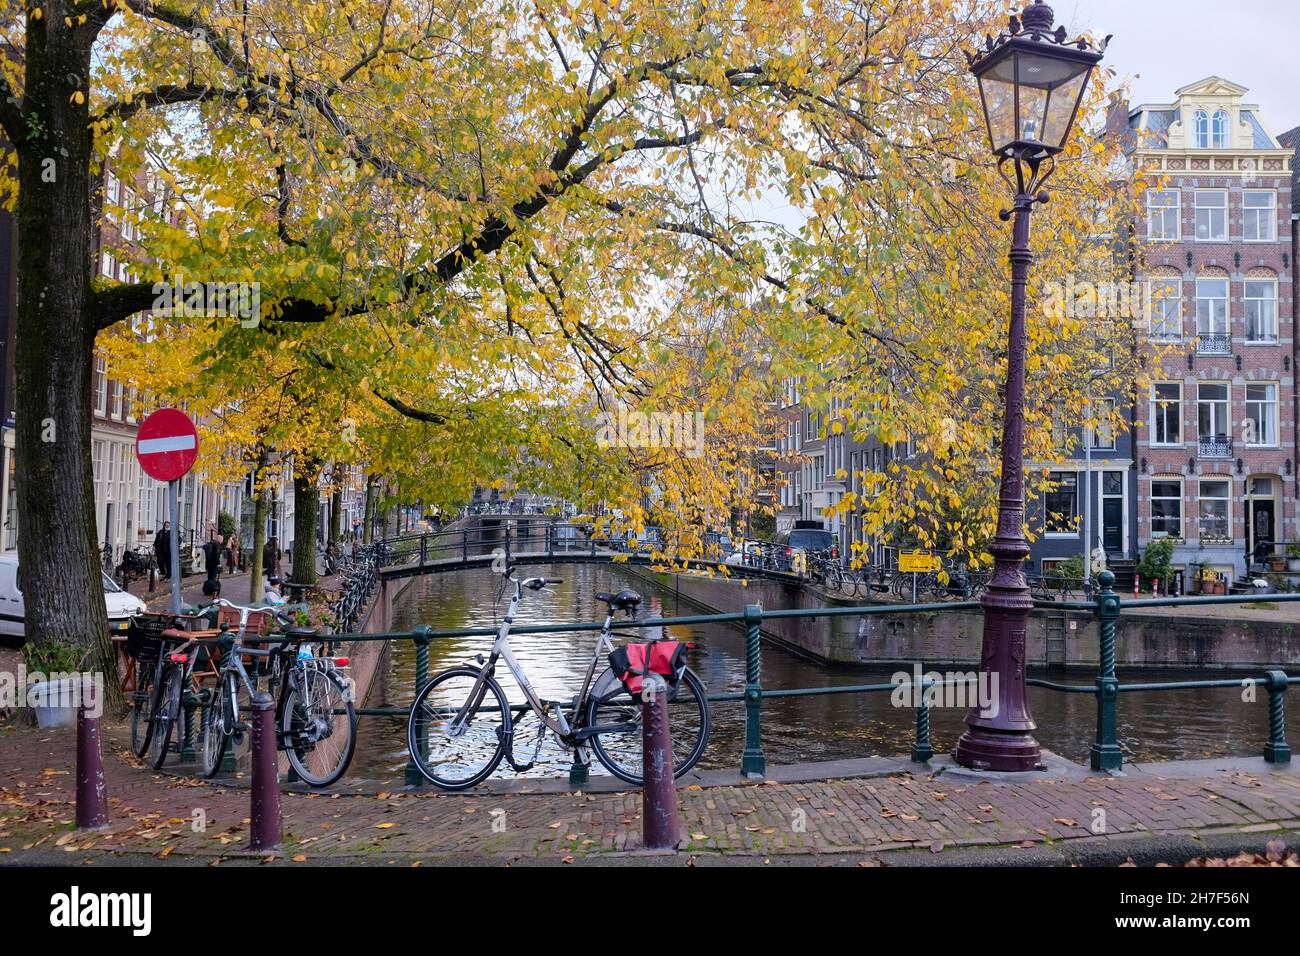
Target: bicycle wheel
[318, 725]
[831, 577]
[166, 716]
[619, 750]
[458, 754]
[142, 712]
[213, 728]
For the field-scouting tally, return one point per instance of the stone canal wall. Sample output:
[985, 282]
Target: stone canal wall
[954, 637]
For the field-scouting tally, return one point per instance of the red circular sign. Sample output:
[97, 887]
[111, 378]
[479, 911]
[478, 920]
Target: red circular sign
[167, 444]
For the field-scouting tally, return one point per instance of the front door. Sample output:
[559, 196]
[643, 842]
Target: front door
[1112, 525]
[1261, 522]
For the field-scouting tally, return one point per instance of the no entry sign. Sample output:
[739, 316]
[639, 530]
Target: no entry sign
[167, 444]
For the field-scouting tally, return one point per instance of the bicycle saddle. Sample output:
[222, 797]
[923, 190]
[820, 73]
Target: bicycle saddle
[625, 600]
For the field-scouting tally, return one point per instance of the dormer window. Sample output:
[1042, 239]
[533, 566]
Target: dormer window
[1219, 129]
[1201, 129]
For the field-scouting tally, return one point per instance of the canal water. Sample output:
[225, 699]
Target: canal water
[1165, 725]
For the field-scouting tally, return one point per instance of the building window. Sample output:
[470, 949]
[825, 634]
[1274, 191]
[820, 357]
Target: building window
[1167, 509]
[1213, 420]
[1167, 413]
[1260, 305]
[1219, 130]
[1201, 129]
[1162, 214]
[1260, 426]
[100, 385]
[117, 389]
[1212, 317]
[1103, 436]
[1259, 215]
[1062, 502]
[1215, 513]
[1166, 312]
[1212, 215]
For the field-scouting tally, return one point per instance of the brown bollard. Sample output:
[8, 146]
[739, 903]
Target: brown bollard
[660, 825]
[266, 831]
[92, 795]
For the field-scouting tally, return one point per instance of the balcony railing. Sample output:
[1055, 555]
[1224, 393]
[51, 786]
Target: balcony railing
[1213, 343]
[1220, 446]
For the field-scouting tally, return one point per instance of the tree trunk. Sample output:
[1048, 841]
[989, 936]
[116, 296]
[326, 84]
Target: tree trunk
[59, 564]
[367, 527]
[306, 504]
[260, 507]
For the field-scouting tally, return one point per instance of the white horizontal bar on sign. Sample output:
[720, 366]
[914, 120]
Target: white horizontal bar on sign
[156, 446]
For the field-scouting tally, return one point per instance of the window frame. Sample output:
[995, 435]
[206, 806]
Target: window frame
[1275, 424]
[1227, 415]
[1180, 499]
[1176, 208]
[1155, 416]
[1154, 305]
[1061, 479]
[1271, 211]
[1246, 299]
[1197, 206]
[1202, 499]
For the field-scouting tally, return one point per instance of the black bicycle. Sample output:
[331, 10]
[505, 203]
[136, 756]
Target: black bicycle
[315, 720]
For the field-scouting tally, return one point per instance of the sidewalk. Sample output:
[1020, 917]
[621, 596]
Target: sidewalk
[234, 587]
[897, 819]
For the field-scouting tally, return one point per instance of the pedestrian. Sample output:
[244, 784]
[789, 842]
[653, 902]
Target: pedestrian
[162, 549]
[271, 558]
[212, 552]
[236, 557]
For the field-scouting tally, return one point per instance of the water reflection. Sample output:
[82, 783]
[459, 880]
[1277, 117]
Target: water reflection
[1152, 725]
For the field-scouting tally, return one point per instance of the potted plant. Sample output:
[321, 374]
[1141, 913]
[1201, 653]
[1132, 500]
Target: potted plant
[1276, 563]
[1157, 561]
[54, 673]
[1293, 557]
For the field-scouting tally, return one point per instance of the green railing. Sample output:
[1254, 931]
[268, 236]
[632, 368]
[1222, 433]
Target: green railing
[1105, 753]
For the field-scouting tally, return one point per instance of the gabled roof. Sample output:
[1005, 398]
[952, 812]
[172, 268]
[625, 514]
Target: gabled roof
[1213, 86]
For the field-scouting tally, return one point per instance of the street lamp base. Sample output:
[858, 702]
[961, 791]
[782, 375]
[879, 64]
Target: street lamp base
[1006, 751]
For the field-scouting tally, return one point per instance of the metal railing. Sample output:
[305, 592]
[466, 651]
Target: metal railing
[1213, 343]
[1104, 754]
[1220, 446]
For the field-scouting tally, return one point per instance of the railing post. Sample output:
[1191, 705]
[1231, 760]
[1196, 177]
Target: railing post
[266, 831]
[507, 542]
[421, 636]
[660, 821]
[464, 545]
[1105, 753]
[922, 750]
[424, 549]
[752, 761]
[1277, 750]
[92, 795]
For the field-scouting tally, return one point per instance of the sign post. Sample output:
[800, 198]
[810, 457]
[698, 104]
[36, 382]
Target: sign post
[916, 563]
[167, 446]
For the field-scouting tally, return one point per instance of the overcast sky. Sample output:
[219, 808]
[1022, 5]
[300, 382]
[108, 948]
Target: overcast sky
[1161, 45]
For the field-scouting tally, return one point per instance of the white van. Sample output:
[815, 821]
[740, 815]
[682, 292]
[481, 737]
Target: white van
[122, 605]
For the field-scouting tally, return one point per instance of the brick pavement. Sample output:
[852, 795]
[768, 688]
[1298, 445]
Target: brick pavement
[154, 813]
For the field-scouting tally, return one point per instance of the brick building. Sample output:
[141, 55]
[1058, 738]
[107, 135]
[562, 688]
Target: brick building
[1216, 441]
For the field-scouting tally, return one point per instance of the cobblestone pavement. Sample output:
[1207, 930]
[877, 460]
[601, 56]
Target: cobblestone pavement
[165, 816]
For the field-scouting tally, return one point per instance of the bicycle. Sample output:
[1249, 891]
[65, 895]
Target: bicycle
[163, 675]
[315, 720]
[458, 737]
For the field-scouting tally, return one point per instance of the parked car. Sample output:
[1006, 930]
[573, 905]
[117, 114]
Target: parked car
[122, 605]
[751, 555]
[806, 538]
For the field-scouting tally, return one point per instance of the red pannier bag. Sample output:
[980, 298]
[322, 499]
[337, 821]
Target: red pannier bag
[667, 658]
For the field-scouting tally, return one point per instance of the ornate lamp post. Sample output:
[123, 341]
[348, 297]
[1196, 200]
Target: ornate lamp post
[1031, 82]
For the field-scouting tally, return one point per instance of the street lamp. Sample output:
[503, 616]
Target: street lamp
[1031, 83]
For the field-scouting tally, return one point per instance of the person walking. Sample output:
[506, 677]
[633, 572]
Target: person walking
[212, 552]
[162, 549]
[271, 559]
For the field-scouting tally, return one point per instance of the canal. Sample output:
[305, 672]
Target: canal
[1168, 725]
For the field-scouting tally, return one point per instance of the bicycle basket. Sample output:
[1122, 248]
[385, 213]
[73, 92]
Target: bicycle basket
[144, 636]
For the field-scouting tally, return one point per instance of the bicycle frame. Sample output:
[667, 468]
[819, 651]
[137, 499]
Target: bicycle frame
[501, 651]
